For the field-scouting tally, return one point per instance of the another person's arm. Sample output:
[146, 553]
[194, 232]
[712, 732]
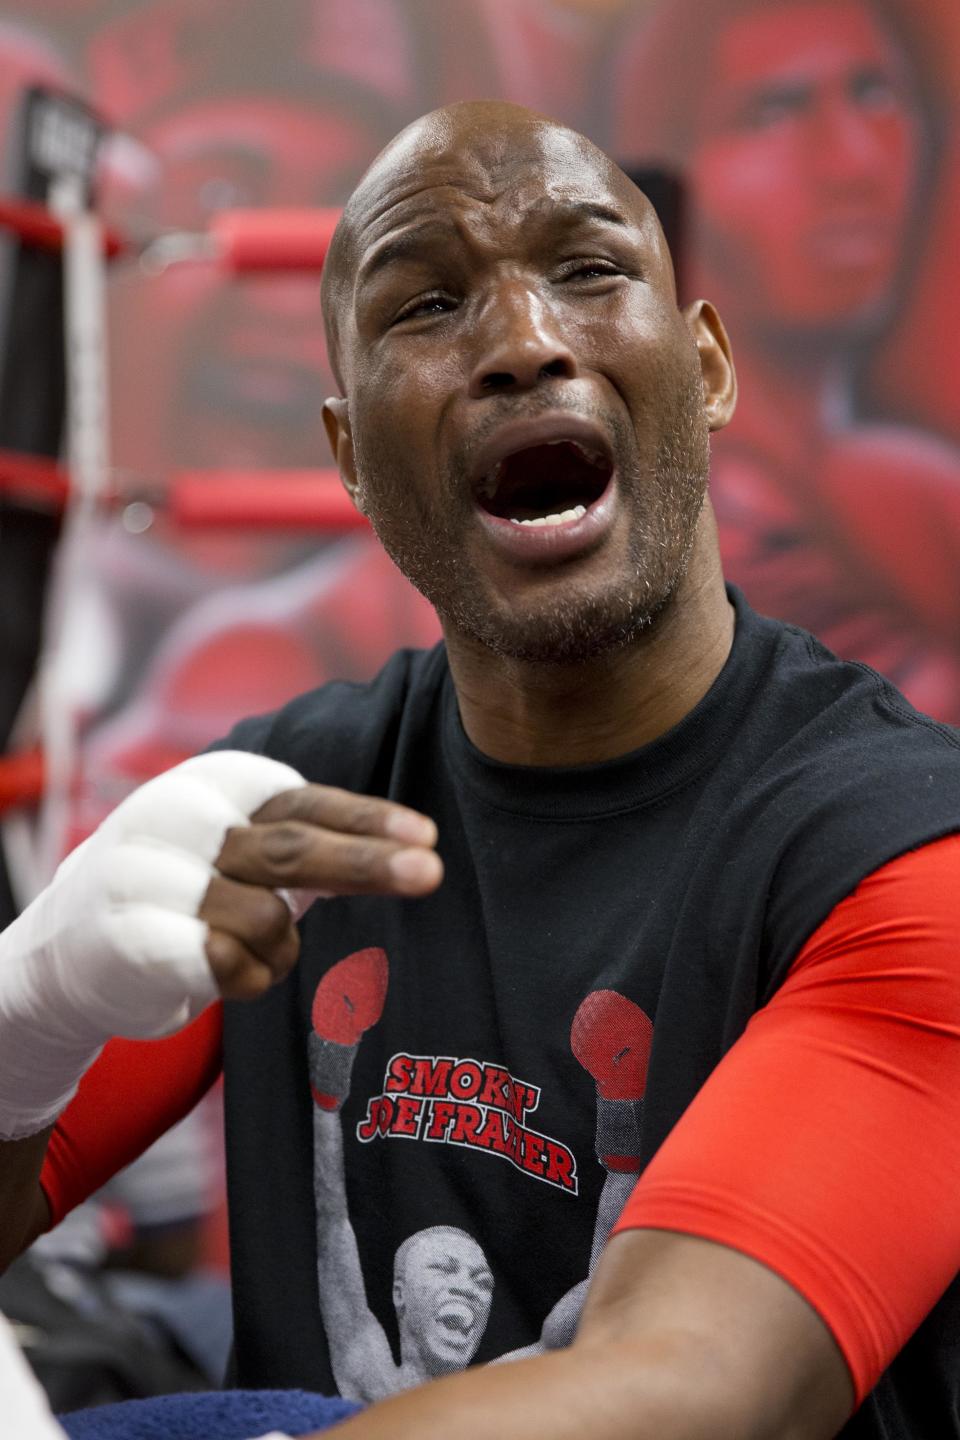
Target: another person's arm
[796, 1226]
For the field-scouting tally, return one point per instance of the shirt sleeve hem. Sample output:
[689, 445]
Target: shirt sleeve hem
[726, 1220]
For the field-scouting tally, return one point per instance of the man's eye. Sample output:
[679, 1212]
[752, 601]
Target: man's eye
[436, 304]
[590, 269]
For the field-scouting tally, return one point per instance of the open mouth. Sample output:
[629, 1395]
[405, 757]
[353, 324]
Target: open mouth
[456, 1317]
[551, 483]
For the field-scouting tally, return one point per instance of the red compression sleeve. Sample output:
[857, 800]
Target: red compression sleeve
[826, 1144]
[128, 1098]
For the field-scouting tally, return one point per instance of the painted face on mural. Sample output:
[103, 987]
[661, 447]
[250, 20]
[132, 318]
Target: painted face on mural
[442, 1292]
[502, 302]
[240, 367]
[805, 165]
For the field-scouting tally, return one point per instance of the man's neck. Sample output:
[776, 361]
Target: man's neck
[526, 713]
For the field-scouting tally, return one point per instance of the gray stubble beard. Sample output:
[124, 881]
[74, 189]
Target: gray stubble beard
[577, 627]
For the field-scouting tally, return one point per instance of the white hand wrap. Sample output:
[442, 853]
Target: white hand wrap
[113, 946]
[26, 1412]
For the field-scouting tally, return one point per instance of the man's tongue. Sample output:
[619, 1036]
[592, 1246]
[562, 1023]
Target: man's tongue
[545, 484]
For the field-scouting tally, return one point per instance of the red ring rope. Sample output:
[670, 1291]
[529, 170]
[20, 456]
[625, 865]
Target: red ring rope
[240, 241]
[261, 499]
[204, 499]
[33, 480]
[273, 239]
[36, 225]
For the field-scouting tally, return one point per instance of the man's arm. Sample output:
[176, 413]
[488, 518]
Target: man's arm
[23, 1204]
[681, 1340]
[771, 1262]
[44, 1176]
[175, 898]
[363, 1365]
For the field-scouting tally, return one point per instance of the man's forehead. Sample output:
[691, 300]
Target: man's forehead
[475, 152]
[449, 160]
[446, 1247]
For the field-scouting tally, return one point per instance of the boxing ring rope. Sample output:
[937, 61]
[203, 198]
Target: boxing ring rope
[201, 499]
[240, 242]
[237, 242]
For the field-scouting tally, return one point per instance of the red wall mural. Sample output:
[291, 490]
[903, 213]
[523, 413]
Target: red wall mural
[815, 143]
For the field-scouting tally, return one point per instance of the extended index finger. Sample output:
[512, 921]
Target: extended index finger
[351, 814]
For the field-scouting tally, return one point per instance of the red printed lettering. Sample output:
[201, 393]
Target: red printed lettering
[377, 1119]
[464, 1102]
[561, 1166]
[430, 1076]
[407, 1118]
[492, 1136]
[496, 1088]
[534, 1147]
[468, 1122]
[465, 1080]
[441, 1118]
[398, 1073]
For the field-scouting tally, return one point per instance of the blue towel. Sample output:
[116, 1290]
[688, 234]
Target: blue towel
[209, 1415]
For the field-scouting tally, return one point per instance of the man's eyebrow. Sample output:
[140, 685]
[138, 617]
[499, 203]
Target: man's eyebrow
[408, 245]
[594, 210]
[415, 243]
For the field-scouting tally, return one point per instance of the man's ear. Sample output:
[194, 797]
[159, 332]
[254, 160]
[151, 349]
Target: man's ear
[716, 362]
[336, 420]
[398, 1297]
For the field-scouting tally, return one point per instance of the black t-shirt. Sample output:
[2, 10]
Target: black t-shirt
[584, 910]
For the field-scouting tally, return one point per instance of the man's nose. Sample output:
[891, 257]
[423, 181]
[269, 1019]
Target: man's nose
[521, 345]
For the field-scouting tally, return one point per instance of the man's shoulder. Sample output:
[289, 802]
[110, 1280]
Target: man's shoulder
[810, 701]
[332, 734]
[831, 747]
[838, 775]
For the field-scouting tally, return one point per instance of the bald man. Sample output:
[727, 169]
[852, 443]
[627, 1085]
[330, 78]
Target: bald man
[612, 780]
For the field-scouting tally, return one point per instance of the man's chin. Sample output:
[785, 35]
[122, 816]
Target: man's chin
[568, 634]
[448, 1359]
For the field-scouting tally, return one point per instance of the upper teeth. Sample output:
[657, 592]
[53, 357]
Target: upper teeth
[561, 519]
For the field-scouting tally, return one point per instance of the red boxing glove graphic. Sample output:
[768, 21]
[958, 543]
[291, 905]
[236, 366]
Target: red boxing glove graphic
[348, 1000]
[611, 1037]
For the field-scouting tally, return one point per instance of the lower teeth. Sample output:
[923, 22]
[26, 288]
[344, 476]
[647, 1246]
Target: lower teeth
[562, 519]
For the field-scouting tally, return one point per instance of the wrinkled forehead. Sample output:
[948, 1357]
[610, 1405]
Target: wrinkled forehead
[444, 1248]
[442, 168]
[481, 169]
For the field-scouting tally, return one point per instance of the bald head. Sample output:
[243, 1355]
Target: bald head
[498, 286]
[485, 149]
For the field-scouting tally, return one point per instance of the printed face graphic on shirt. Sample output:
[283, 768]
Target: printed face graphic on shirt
[443, 1284]
[442, 1291]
